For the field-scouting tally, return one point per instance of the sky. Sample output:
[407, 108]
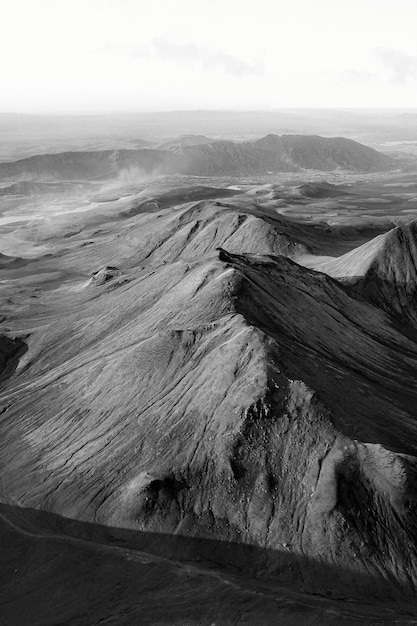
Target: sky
[73, 56]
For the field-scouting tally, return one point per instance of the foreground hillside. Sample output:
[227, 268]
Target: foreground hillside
[384, 270]
[56, 570]
[180, 375]
[204, 158]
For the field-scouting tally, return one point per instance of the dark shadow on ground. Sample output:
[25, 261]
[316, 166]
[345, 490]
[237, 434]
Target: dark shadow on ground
[61, 571]
[10, 352]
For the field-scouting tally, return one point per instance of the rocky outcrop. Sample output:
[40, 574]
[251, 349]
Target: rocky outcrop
[224, 395]
[105, 275]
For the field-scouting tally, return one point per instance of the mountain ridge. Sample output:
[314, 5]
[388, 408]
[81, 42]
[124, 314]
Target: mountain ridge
[291, 153]
[227, 393]
[383, 270]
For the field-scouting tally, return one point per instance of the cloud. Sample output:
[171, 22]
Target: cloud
[402, 67]
[192, 54]
[187, 55]
[358, 76]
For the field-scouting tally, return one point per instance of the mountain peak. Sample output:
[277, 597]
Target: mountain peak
[383, 270]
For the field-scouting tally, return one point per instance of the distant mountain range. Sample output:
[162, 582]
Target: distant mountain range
[185, 140]
[198, 155]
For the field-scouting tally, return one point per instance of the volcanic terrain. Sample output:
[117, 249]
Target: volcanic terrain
[207, 404]
[204, 157]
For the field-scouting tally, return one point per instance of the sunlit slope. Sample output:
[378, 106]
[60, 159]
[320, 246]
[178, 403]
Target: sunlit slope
[324, 153]
[384, 271]
[187, 232]
[227, 394]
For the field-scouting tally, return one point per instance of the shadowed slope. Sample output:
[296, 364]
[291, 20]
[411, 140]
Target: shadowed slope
[391, 279]
[55, 570]
[224, 398]
[10, 352]
[384, 271]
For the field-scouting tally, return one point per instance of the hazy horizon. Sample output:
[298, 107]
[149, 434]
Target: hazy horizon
[115, 112]
[94, 57]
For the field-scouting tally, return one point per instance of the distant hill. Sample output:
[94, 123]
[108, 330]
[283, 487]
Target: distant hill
[198, 156]
[322, 153]
[227, 157]
[87, 165]
[29, 187]
[320, 190]
[185, 140]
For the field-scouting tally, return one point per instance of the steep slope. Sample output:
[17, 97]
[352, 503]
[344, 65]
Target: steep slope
[391, 279]
[384, 271]
[219, 395]
[10, 352]
[188, 232]
[198, 228]
[353, 265]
